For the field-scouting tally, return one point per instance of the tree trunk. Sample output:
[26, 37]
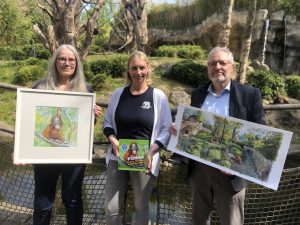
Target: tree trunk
[226, 25]
[247, 36]
[270, 5]
[137, 31]
[65, 24]
[91, 24]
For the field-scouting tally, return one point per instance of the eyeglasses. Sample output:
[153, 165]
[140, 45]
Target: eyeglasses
[221, 63]
[63, 60]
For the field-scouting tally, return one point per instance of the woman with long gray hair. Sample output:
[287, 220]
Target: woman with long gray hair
[65, 73]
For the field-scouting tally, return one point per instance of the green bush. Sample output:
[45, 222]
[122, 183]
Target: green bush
[41, 51]
[5, 53]
[100, 66]
[118, 65]
[43, 63]
[18, 54]
[270, 83]
[114, 66]
[181, 51]
[292, 87]
[87, 71]
[166, 51]
[31, 61]
[27, 74]
[188, 72]
[99, 80]
[15, 53]
[24, 52]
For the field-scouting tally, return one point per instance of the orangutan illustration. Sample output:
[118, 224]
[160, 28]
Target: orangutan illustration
[132, 153]
[54, 130]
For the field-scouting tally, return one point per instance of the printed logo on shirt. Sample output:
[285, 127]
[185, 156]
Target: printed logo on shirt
[146, 105]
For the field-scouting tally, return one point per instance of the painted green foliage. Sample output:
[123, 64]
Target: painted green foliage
[55, 126]
[229, 143]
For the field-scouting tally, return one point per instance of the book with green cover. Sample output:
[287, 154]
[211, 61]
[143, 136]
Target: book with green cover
[132, 154]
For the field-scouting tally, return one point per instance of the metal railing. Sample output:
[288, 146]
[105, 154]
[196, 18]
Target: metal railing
[171, 201]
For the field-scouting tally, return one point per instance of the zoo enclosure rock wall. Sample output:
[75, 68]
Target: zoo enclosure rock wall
[282, 52]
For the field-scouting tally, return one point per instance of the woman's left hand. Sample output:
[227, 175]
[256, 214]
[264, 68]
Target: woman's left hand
[153, 149]
[97, 110]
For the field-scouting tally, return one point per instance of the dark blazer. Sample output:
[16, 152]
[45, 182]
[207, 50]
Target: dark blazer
[245, 103]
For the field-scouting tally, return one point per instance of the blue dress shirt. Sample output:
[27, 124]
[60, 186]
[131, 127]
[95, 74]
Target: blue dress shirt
[218, 104]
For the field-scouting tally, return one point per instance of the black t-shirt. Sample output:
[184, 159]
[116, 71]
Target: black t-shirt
[135, 115]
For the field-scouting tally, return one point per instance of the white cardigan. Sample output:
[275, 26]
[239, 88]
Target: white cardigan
[162, 121]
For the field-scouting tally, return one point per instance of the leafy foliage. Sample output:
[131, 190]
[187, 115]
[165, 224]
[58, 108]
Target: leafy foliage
[14, 24]
[293, 86]
[181, 51]
[27, 74]
[188, 72]
[270, 83]
[114, 66]
[100, 72]
[8, 106]
[290, 7]
[99, 81]
[24, 52]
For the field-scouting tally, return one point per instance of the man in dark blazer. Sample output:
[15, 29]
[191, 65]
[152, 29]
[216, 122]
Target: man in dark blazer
[228, 98]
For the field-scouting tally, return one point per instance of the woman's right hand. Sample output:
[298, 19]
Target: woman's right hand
[115, 144]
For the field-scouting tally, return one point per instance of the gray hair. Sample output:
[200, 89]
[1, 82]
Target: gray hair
[221, 49]
[77, 82]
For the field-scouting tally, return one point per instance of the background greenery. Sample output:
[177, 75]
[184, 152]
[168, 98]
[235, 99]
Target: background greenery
[107, 72]
[23, 59]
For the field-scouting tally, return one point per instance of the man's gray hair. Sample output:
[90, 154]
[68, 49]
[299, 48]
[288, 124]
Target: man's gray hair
[221, 49]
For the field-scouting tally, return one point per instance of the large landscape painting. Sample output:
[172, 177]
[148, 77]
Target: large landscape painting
[252, 151]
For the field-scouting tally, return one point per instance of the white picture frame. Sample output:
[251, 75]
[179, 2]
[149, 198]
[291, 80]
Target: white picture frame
[54, 127]
[228, 144]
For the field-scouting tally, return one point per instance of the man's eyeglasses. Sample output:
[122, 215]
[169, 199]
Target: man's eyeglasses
[63, 60]
[221, 63]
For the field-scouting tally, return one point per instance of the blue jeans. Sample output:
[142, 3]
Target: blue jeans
[46, 177]
[115, 189]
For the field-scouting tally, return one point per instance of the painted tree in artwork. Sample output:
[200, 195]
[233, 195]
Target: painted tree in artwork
[231, 131]
[218, 128]
[225, 124]
[266, 142]
[272, 141]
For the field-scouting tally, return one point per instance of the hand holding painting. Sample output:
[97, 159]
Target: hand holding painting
[64, 75]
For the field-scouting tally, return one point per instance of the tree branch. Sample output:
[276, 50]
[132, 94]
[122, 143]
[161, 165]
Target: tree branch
[46, 10]
[41, 35]
[90, 26]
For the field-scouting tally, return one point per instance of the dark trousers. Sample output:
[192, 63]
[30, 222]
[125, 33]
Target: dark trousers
[46, 177]
[209, 184]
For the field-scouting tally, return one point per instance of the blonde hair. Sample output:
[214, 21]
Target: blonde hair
[142, 56]
[77, 81]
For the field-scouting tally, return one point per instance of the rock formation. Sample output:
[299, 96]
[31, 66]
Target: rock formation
[278, 46]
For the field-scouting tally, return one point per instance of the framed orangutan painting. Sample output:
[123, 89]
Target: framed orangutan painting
[251, 151]
[53, 127]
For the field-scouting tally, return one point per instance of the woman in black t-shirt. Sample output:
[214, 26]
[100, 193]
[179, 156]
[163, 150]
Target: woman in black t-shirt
[137, 111]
